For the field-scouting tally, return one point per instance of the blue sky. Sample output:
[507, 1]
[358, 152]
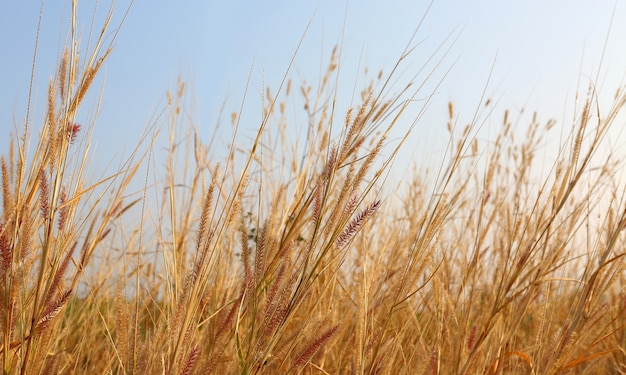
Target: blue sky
[541, 52]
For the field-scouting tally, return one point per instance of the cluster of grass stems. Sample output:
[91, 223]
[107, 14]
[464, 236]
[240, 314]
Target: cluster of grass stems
[300, 255]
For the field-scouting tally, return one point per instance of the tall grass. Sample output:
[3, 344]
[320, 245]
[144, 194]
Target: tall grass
[302, 255]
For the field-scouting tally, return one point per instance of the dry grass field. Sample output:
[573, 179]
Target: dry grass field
[304, 256]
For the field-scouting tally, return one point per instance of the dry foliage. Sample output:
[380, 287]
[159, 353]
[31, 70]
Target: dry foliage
[301, 256]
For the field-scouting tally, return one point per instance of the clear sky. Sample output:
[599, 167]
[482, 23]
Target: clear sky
[541, 51]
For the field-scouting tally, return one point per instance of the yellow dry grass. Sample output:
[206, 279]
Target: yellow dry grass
[309, 259]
